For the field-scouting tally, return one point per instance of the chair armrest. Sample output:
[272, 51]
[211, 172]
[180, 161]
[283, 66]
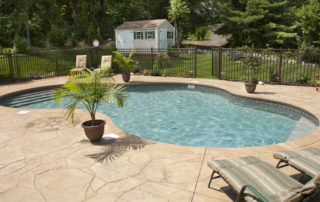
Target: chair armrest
[241, 193]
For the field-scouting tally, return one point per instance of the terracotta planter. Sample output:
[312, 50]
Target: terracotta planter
[95, 132]
[126, 77]
[251, 87]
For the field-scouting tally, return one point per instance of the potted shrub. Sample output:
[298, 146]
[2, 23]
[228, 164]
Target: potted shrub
[125, 64]
[252, 63]
[91, 91]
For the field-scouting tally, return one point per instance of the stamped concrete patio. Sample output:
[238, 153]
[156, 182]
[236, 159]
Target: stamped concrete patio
[43, 158]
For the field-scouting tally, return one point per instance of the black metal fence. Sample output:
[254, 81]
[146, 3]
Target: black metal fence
[276, 65]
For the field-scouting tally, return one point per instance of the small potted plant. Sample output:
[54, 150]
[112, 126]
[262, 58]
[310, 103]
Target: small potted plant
[125, 64]
[252, 63]
[91, 91]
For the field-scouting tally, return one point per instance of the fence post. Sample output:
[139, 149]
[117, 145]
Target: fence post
[91, 57]
[212, 63]
[152, 59]
[280, 65]
[220, 62]
[195, 62]
[11, 67]
[57, 70]
[17, 66]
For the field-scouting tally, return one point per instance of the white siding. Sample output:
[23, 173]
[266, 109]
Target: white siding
[145, 43]
[124, 39]
[163, 39]
[170, 28]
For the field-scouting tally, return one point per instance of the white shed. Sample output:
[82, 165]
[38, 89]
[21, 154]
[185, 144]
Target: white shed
[145, 34]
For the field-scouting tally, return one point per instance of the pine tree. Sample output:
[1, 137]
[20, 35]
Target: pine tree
[257, 23]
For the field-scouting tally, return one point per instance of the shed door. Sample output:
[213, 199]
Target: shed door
[125, 39]
[163, 38]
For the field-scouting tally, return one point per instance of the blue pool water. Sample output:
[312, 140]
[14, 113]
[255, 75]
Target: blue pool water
[191, 115]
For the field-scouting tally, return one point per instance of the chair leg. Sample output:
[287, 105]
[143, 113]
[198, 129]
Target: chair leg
[282, 161]
[212, 177]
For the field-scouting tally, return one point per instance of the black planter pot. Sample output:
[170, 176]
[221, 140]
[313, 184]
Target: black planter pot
[126, 77]
[94, 132]
[251, 87]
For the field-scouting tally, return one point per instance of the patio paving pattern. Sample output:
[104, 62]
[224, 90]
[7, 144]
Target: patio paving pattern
[44, 158]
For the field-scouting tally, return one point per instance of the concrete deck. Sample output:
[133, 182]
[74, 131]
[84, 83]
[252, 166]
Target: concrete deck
[42, 158]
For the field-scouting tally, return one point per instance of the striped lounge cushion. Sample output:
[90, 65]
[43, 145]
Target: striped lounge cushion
[306, 160]
[269, 181]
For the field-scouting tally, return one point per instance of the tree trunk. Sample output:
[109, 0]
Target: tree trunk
[177, 34]
[305, 50]
[75, 16]
[26, 14]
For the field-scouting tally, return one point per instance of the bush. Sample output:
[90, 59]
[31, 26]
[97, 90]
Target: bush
[7, 50]
[162, 60]
[20, 45]
[57, 36]
[201, 32]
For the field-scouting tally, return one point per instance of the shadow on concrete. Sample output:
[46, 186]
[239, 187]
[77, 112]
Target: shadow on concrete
[265, 93]
[114, 148]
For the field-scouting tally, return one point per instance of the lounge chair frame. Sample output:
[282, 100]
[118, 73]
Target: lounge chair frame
[241, 193]
[257, 195]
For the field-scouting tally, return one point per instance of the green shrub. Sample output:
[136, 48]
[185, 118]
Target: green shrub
[201, 32]
[162, 60]
[7, 50]
[20, 45]
[57, 36]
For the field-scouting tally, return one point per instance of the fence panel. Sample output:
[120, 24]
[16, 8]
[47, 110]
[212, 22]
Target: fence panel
[204, 63]
[5, 76]
[276, 65]
[174, 62]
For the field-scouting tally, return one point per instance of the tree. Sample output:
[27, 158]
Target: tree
[177, 11]
[258, 23]
[309, 22]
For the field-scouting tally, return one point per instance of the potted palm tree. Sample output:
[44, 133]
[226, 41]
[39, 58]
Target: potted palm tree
[91, 90]
[125, 64]
[252, 63]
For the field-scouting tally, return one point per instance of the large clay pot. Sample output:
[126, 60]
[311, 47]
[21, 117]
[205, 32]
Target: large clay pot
[95, 132]
[251, 87]
[126, 77]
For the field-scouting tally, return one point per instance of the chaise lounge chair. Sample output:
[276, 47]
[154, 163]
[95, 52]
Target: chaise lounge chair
[81, 61]
[255, 180]
[305, 160]
[106, 61]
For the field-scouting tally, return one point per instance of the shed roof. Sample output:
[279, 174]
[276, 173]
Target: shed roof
[141, 24]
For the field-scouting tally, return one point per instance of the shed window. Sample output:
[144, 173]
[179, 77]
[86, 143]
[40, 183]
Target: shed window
[150, 35]
[170, 35]
[138, 35]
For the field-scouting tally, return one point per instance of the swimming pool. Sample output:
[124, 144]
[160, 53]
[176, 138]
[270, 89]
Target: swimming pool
[193, 115]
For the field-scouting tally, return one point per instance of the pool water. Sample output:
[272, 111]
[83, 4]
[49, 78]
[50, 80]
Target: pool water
[191, 115]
